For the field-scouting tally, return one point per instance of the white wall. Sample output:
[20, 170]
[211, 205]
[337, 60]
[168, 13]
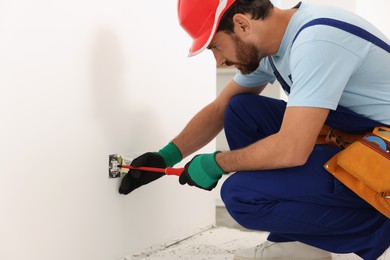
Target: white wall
[377, 12]
[79, 80]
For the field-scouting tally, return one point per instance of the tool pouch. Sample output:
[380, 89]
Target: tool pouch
[364, 167]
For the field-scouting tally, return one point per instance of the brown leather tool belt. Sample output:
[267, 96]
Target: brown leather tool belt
[335, 137]
[363, 164]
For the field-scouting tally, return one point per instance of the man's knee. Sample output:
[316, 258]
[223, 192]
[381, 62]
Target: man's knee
[255, 109]
[232, 107]
[249, 118]
[238, 104]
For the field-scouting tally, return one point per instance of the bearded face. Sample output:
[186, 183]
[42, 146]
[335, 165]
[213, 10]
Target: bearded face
[248, 56]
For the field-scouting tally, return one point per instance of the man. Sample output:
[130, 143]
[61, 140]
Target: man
[332, 77]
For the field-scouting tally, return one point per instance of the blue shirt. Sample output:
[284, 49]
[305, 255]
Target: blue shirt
[327, 67]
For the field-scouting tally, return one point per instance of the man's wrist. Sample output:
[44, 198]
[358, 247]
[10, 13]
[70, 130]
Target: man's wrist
[219, 160]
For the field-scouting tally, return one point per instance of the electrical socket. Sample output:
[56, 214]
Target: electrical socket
[116, 160]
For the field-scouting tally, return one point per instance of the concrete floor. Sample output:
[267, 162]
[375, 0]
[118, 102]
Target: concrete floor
[223, 219]
[218, 243]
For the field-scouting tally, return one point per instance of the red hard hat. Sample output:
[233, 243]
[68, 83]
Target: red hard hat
[200, 19]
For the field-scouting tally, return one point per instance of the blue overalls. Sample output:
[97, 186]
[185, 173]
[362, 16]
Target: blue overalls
[304, 203]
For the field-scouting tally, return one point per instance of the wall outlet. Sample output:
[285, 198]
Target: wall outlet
[115, 161]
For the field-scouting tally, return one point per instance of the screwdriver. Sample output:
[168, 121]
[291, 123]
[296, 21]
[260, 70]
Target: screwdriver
[167, 171]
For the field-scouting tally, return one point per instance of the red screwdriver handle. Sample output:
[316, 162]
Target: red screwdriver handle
[167, 171]
[174, 171]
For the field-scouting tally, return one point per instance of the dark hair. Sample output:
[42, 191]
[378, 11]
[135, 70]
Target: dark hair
[258, 9]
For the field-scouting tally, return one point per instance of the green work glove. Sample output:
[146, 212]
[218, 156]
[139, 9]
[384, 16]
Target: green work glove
[171, 154]
[167, 156]
[202, 171]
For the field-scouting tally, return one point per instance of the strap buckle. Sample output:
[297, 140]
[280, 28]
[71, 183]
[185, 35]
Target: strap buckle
[385, 195]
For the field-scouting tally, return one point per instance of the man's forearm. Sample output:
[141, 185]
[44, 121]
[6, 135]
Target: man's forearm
[208, 122]
[262, 155]
[201, 129]
[290, 147]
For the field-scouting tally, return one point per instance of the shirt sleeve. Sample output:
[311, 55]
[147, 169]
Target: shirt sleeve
[321, 70]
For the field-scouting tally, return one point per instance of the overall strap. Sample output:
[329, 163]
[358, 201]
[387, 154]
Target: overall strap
[279, 77]
[353, 29]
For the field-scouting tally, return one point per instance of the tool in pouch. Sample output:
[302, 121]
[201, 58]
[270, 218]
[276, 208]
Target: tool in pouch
[119, 165]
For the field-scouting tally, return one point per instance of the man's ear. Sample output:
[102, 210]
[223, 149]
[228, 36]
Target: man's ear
[242, 23]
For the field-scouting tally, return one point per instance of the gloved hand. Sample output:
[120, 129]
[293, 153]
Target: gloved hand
[168, 156]
[202, 171]
[135, 179]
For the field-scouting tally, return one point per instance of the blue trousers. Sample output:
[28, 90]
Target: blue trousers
[304, 203]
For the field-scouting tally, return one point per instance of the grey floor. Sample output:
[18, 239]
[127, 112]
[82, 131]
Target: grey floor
[218, 243]
[223, 219]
